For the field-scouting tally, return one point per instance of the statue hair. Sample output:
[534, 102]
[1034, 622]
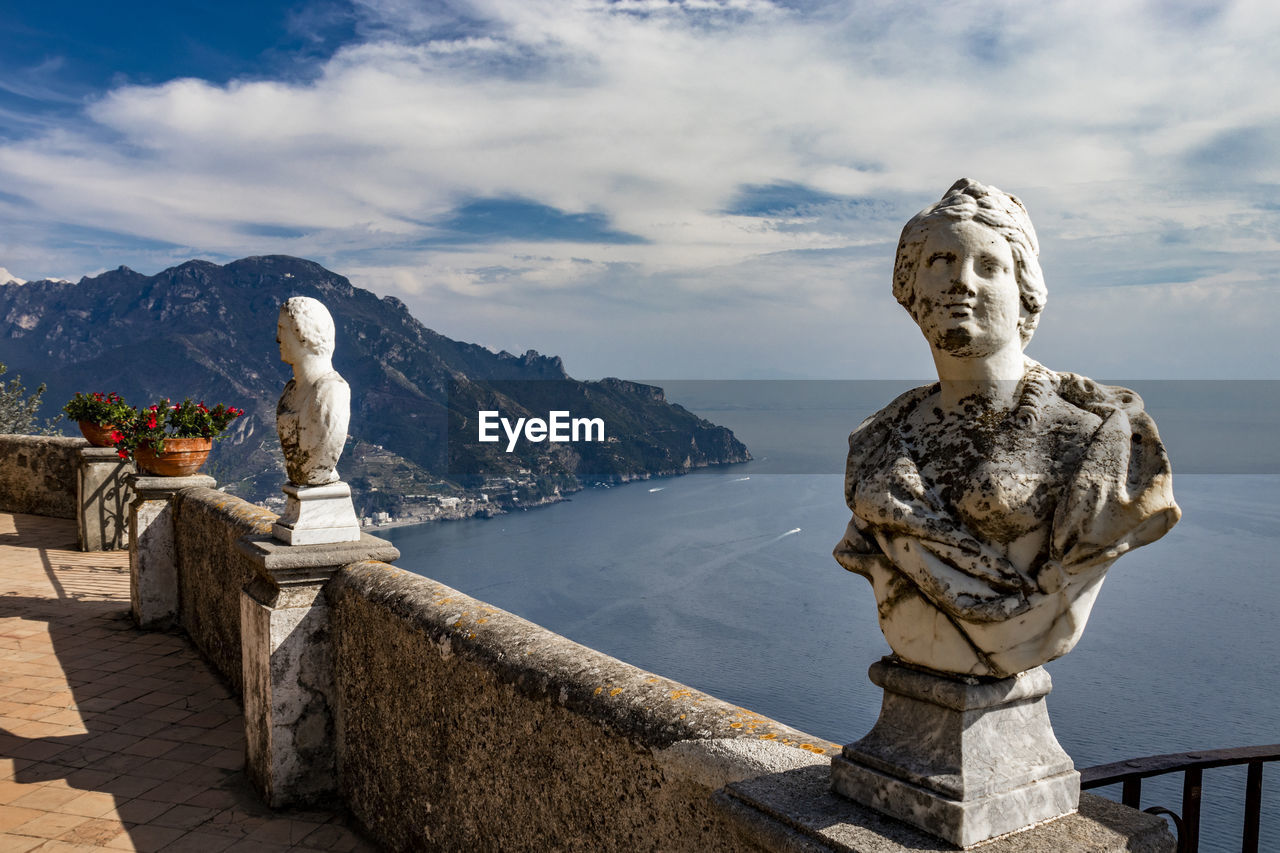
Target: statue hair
[313, 323]
[968, 200]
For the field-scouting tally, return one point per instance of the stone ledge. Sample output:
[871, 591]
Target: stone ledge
[796, 811]
[38, 474]
[648, 709]
[304, 564]
[148, 487]
[102, 454]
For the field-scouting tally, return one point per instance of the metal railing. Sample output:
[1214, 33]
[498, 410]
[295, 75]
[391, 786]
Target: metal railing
[1192, 765]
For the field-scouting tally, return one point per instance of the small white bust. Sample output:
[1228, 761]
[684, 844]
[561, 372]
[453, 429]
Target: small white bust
[315, 408]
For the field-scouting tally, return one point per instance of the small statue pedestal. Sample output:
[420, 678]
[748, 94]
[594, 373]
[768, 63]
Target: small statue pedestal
[963, 760]
[317, 515]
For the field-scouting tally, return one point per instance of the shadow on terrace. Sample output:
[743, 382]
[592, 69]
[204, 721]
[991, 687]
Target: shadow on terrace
[112, 737]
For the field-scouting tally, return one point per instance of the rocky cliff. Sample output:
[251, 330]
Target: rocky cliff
[208, 331]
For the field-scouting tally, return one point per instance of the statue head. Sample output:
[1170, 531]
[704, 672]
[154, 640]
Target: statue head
[970, 201]
[304, 328]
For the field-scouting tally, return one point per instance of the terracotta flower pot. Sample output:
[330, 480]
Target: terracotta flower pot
[99, 435]
[182, 457]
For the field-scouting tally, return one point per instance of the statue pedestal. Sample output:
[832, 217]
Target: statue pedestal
[317, 515]
[153, 555]
[286, 658]
[961, 759]
[102, 499]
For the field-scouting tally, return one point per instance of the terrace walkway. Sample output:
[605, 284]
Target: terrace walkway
[113, 738]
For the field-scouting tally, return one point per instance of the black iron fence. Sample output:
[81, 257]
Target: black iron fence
[1129, 774]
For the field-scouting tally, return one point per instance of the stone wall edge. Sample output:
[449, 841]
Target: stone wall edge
[38, 474]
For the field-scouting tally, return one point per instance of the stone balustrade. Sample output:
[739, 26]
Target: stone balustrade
[38, 474]
[444, 723]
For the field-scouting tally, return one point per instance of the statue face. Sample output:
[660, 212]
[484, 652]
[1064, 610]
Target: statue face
[967, 300]
[287, 338]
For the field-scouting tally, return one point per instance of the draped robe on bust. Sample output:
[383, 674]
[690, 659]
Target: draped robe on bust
[932, 572]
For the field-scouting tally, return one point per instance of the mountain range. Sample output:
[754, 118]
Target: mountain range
[207, 331]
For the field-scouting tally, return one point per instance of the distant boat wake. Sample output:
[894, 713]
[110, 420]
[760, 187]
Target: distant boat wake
[689, 575]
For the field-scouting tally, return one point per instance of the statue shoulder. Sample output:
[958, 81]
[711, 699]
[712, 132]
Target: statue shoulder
[1121, 495]
[331, 386]
[871, 435]
[1101, 400]
[893, 413]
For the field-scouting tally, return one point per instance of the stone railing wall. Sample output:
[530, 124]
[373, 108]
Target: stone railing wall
[64, 477]
[38, 474]
[463, 727]
[207, 525]
[448, 712]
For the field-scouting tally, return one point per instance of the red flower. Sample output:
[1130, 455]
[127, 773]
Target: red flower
[123, 454]
[116, 436]
[151, 423]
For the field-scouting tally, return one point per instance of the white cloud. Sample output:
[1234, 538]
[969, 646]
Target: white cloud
[1114, 123]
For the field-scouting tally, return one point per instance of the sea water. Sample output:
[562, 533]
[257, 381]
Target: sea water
[724, 580]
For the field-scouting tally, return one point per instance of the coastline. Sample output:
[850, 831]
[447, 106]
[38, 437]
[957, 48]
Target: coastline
[474, 508]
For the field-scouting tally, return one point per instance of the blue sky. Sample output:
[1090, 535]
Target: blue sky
[652, 188]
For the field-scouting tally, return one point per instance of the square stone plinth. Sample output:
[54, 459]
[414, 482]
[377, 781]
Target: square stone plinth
[317, 515]
[963, 759]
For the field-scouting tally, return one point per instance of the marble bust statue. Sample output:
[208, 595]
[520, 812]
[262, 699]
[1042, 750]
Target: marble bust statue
[315, 408]
[312, 419]
[988, 506]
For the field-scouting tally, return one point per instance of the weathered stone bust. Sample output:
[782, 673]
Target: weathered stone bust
[315, 408]
[988, 506]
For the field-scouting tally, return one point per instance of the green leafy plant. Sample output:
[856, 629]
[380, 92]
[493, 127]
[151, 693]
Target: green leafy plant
[18, 411]
[152, 425]
[98, 408]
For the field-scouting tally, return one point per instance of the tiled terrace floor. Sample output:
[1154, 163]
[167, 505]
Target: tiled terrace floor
[113, 738]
